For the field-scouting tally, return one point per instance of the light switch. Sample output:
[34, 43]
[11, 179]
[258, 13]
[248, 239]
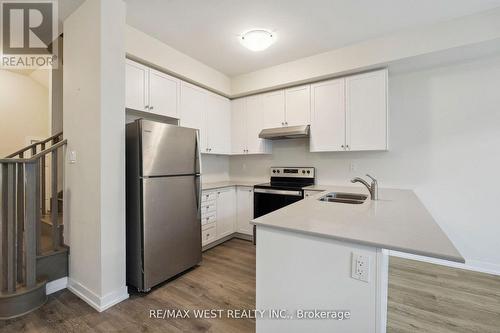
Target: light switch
[72, 157]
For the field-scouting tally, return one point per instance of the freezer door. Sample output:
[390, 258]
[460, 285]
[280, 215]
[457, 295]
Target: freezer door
[168, 149]
[172, 227]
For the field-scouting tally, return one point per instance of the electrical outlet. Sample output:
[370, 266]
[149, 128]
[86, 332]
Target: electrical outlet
[360, 268]
[352, 167]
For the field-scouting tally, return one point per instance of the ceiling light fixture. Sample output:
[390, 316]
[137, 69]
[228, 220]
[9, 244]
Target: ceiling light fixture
[257, 40]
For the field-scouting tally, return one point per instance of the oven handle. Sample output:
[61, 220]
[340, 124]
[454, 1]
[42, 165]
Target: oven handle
[279, 192]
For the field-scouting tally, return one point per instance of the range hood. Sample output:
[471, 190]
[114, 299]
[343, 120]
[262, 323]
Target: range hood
[289, 132]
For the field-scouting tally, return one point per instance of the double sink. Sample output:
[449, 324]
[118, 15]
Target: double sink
[347, 198]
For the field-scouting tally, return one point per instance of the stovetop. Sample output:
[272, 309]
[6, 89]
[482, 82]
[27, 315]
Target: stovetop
[290, 178]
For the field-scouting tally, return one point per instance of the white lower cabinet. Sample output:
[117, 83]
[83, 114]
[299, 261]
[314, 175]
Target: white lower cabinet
[226, 211]
[244, 201]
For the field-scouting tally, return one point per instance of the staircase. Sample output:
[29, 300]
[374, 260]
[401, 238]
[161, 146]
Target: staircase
[31, 230]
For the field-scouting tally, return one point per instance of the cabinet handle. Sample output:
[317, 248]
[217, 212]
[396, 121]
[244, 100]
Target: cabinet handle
[151, 107]
[343, 147]
[347, 147]
[146, 107]
[286, 122]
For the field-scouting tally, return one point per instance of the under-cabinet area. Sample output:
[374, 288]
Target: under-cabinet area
[344, 114]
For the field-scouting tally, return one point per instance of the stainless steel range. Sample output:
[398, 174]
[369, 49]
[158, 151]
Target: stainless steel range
[285, 187]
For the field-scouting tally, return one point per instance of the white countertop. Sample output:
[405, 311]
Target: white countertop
[228, 183]
[397, 221]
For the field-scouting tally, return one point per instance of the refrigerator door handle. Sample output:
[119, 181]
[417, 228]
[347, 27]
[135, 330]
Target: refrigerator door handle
[197, 167]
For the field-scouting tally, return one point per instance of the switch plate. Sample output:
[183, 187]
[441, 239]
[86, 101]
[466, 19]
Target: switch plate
[352, 167]
[72, 157]
[360, 268]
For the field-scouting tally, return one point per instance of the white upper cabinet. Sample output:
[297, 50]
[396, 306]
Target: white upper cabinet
[328, 116]
[136, 86]
[226, 212]
[163, 94]
[238, 126]
[366, 111]
[273, 106]
[218, 124]
[298, 106]
[150, 90]
[193, 106]
[350, 114]
[255, 123]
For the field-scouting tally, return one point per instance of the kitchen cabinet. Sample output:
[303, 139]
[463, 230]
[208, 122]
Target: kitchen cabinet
[298, 106]
[273, 107]
[350, 114]
[328, 116]
[211, 114]
[218, 124]
[289, 107]
[238, 126]
[136, 85]
[193, 104]
[246, 124]
[151, 91]
[226, 211]
[366, 110]
[163, 94]
[244, 203]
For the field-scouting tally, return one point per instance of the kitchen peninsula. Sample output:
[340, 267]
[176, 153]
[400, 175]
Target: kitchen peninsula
[333, 256]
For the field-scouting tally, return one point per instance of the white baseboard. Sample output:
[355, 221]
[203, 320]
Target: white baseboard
[97, 302]
[56, 285]
[470, 265]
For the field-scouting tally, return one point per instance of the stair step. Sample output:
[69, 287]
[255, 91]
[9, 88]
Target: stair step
[22, 301]
[53, 265]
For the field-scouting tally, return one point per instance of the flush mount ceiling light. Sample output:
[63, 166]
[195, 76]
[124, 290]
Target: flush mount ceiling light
[257, 40]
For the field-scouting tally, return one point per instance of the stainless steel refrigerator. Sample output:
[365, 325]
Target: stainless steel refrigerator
[163, 202]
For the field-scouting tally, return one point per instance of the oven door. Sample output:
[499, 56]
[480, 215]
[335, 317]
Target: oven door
[267, 200]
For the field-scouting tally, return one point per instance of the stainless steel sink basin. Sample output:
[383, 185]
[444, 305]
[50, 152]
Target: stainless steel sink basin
[348, 198]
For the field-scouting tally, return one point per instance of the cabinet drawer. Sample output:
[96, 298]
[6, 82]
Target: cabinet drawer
[208, 196]
[207, 207]
[208, 233]
[208, 218]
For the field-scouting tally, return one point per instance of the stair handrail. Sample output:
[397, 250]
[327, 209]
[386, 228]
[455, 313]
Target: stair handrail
[42, 143]
[34, 158]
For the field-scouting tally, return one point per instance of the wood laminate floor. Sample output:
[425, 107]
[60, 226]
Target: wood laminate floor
[422, 298]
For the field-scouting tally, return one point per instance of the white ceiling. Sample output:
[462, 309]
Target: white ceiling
[207, 30]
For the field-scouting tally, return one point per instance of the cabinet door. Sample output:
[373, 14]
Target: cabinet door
[192, 105]
[366, 101]
[218, 124]
[226, 212]
[163, 94]
[298, 106]
[255, 124]
[245, 209]
[136, 86]
[238, 126]
[328, 116]
[273, 108]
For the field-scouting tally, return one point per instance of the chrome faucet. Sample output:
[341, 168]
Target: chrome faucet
[372, 188]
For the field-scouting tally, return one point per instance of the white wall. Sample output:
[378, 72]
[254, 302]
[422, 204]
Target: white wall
[214, 168]
[94, 125]
[149, 50]
[24, 111]
[444, 143]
